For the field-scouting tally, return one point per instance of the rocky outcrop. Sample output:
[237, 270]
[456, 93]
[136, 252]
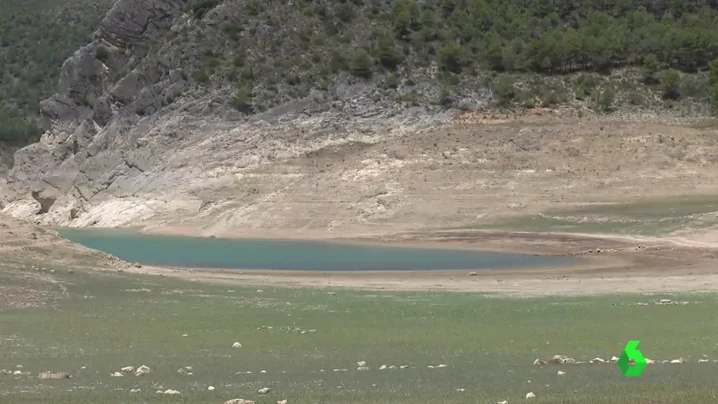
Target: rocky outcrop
[101, 92]
[129, 136]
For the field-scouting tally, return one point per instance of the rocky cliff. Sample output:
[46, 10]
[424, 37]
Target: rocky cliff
[116, 151]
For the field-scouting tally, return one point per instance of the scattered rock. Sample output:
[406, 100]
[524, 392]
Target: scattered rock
[665, 301]
[262, 371]
[128, 369]
[562, 360]
[461, 390]
[236, 345]
[142, 370]
[210, 388]
[473, 274]
[239, 401]
[171, 392]
[561, 373]
[339, 370]
[614, 359]
[530, 395]
[650, 361]
[441, 366]
[263, 390]
[135, 391]
[539, 362]
[137, 265]
[678, 361]
[117, 374]
[361, 363]
[703, 360]
[503, 402]
[18, 373]
[54, 375]
[282, 402]
[597, 360]
[400, 367]
[382, 367]
[362, 368]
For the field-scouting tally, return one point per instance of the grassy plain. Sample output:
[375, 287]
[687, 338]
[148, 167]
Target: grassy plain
[94, 323]
[651, 217]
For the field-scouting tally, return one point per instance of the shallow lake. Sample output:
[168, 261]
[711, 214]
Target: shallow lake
[292, 254]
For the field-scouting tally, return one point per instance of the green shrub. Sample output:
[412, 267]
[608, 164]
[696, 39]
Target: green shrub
[361, 64]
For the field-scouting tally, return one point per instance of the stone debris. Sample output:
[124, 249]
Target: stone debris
[703, 360]
[650, 361]
[597, 360]
[262, 371]
[116, 374]
[614, 359]
[678, 361]
[441, 366]
[382, 367]
[539, 362]
[282, 402]
[473, 274]
[236, 345]
[54, 375]
[362, 368]
[392, 367]
[562, 360]
[18, 373]
[239, 401]
[400, 367]
[142, 370]
[561, 373]
[210, 388]
[171, 392]
[263, 390]
[361, 363]
[5, 372]
[127, 369]
[430, 366]
[503, 402]
[135, 391]
[339, 370]
[19, 367]
[460, 390]
[530, 395]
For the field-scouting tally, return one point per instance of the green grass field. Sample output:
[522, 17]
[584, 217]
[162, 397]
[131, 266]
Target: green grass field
[487, 342]
[643, 218]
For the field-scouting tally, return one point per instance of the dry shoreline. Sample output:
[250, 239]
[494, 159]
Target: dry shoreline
[609, 265]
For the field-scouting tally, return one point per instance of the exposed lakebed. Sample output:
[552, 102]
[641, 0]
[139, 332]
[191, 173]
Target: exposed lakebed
[293, 254]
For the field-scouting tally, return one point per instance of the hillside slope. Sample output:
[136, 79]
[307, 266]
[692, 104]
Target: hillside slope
[36, 36]
[227, 115]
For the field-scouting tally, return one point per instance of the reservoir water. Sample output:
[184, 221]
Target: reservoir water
[292, 254]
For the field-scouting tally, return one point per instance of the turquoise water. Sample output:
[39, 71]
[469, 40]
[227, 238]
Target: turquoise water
[291, 255]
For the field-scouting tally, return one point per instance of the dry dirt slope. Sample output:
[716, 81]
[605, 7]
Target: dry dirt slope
[340, 183]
